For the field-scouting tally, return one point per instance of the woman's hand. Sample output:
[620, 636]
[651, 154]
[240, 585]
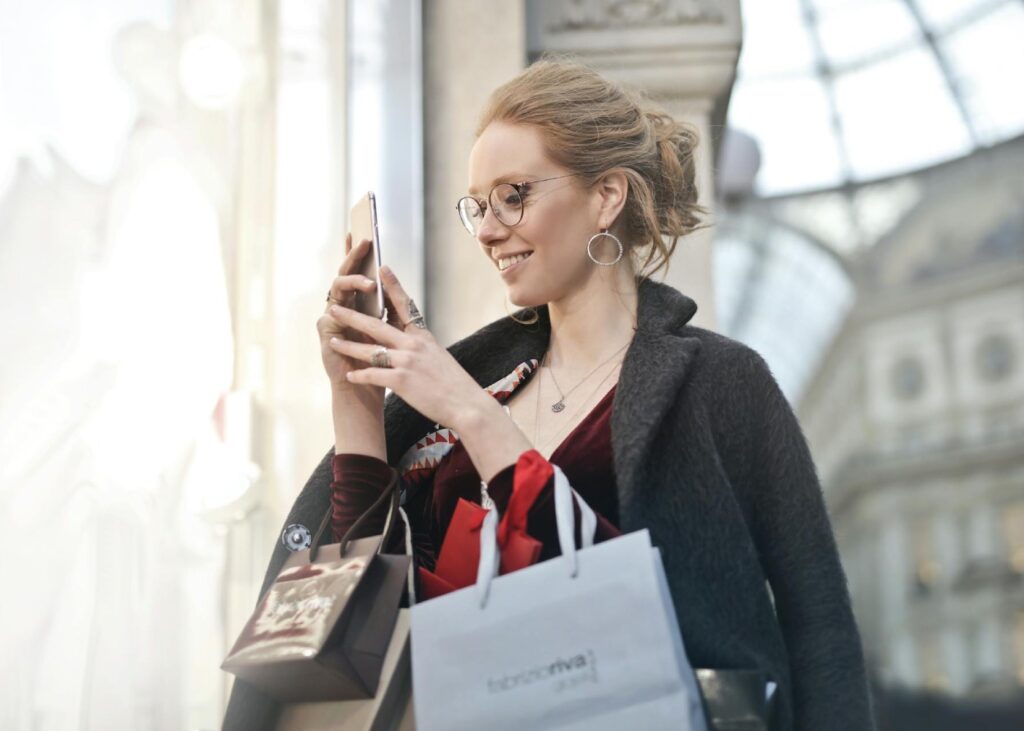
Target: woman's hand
[343, 290]
[416, 368]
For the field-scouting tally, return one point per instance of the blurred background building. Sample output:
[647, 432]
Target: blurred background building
[175, 177]
[872, 248]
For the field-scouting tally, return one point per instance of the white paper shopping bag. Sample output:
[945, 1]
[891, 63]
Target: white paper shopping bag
[587, 640]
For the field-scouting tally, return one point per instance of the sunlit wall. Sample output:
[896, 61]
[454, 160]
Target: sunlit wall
[174, 185]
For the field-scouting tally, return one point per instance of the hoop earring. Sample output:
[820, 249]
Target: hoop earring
[614, 238]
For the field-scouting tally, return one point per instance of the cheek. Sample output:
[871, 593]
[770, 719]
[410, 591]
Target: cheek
[556, 235]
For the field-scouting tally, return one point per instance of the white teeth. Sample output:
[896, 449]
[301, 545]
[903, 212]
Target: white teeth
[505, 262]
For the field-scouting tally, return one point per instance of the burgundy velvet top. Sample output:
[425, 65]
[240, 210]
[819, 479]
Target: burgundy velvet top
[585, 456]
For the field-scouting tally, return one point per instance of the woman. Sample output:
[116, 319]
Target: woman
[576, 191]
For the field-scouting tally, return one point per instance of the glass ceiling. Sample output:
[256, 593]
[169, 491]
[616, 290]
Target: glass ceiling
[848, 91]
[780, 293]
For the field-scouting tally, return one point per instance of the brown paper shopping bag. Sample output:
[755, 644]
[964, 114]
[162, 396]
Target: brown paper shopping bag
[322, 629]
[389, 710]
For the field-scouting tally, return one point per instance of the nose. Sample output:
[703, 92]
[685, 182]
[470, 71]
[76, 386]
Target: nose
[492, 231]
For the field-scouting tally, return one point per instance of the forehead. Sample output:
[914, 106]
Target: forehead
[504, 152]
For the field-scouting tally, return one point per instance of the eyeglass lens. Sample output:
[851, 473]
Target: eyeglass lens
[504, 201]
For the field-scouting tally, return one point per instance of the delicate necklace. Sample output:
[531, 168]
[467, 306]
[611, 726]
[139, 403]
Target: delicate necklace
[559, 433]
[559, 405]
[536, 406]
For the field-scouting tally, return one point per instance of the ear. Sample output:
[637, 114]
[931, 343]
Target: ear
[611, 190]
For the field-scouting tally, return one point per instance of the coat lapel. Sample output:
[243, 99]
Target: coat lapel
[654, 369]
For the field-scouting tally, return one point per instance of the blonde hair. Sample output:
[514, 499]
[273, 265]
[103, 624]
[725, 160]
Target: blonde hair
[591, 125]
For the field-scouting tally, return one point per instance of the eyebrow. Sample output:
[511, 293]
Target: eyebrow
[507, 178]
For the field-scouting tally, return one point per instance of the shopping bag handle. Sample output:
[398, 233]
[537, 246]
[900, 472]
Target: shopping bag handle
[564, 521]
[490, 557]
[389, 495]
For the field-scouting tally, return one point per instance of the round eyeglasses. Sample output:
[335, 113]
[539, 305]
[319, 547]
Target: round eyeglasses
[506, 201]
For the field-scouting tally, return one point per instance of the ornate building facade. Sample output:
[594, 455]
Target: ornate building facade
[916, 421]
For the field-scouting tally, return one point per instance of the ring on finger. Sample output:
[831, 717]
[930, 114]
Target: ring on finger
[380, 358]
[331, 299]
[415, 318]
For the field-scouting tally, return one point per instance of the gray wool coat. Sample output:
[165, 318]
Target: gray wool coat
[710, 459]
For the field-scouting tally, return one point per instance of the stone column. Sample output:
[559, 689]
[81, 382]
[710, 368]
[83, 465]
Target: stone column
[683, 54]
[469, 49]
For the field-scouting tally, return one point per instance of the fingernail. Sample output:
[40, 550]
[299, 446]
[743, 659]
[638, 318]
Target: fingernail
[335, 309]
[335, 341]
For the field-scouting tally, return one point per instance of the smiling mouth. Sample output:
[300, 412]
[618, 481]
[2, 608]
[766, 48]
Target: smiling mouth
[506, 261]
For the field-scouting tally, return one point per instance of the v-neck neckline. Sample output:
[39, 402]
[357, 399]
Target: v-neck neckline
[523, 378]
[585, 420]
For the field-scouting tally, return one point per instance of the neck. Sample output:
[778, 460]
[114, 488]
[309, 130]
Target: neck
[594, 321]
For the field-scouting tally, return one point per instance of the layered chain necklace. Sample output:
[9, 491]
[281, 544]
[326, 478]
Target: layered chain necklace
[559, 405]
[564, 427]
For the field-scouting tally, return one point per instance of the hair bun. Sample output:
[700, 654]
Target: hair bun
[675, 190]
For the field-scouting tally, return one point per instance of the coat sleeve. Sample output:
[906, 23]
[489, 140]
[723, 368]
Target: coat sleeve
[797, 549]
[358, 482]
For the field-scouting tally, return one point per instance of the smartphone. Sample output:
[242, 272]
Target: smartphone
[363, 225]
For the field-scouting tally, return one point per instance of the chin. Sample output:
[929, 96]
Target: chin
[521, 298]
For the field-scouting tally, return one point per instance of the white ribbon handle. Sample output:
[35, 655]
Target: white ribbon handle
[487, 569]
[411, 577]
[490, 557]
[565, 523]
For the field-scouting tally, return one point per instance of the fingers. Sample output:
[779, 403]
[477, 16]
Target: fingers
[346, 284]
[365, 351]
[382, 377]
[379, 331]
[393, 289]
[406, 310]
[353, 256]
[393, 376]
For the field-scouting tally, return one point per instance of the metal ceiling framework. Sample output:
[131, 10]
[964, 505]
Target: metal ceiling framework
[922, 33]
[757, 223]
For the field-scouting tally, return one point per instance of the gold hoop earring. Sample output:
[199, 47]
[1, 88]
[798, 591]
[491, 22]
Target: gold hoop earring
[614, 238]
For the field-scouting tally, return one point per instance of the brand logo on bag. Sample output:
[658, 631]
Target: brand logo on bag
[313, 606]
[562, 674]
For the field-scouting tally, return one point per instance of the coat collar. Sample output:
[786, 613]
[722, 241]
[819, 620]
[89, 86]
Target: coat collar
[653, 370]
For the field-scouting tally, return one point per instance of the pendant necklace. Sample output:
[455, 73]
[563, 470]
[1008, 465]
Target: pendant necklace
[559, 405]
[558, 433]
